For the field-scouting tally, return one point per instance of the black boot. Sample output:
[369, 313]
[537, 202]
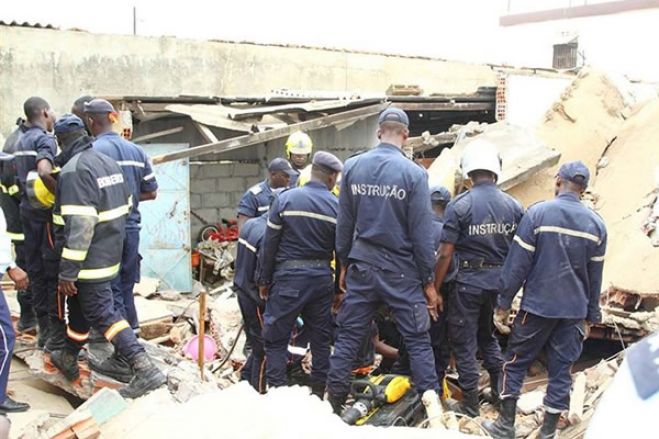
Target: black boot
[337, 402]
[468, 406]
[147, 377]
[504, 426]
[43, 331]
[67, 363]
[495, 397]
[548, 430]
[318, 389]
[11, 406]
[28, 319]
[115, 367]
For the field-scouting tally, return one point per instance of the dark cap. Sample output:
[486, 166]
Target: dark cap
[395, 115]
[68, 122]
[572, 170]
[280, 164]
[439, 194]
[98, 106]
[330, 161]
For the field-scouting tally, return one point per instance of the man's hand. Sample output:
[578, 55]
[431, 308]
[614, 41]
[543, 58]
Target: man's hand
[501, 320]
[67, 287]
[434, 300]
[19, 277]
[338, 300]
[586, 329]
[342, 280]
[264, 291]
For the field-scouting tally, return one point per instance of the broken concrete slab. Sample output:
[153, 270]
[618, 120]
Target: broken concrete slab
[147, 286]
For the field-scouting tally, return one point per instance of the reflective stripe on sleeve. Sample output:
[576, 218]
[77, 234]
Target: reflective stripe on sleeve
[565, 231]
[274, 226]
[58, 220]
[151, 176]
[73, 209]
[307, 214]
[109, 215]
[597, 258]
[115, 329]
[131, 163]
[16, 236]
[74, 255]
[25, 153]
[98, 273]
[523, 244]
[249, 246]
[263, 208]
[13, 189]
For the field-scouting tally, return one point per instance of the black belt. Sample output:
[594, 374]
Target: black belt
[303, 263]
[477, 264]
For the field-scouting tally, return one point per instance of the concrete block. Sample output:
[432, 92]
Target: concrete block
[203, 186]
[251, 181]
[217, 170]
[209, 215]
[247, 170]
[232, 184]
[195, 201]
[236, 197]
[196, 172]
[216, 199]
[228, 213]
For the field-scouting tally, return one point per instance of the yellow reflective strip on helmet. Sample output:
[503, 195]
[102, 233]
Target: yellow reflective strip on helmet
[98, 273]
[116, 329]
[58, 220]
[74, 255]
[72, 209]
[109, 215]
[16, 236]
[13, 189]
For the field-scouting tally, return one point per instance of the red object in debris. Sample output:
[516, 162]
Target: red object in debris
[226, 231]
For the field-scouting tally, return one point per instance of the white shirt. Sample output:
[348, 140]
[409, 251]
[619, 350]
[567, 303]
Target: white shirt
[6, 257]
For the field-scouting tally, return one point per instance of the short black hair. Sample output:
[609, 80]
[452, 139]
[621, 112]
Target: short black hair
[34, 106]
[79, 103]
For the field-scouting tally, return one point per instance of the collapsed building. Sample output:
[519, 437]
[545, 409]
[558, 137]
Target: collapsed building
[213, 143]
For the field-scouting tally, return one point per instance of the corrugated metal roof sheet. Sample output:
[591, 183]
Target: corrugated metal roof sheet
[15, 23]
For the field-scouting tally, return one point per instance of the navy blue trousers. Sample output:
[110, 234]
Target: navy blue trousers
[42, 264]
[252, 311]
[7, 339]
[24, 296]
[368, 287]
[472, 332]
[310, 297]
[562, 340]
[93, 307]
[124, 283]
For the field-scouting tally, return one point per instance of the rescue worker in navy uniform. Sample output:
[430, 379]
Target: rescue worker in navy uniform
[295, 274]
[91, 206]
[558, 257]
[479, 227]
[382, 244]
[251, 305]
[10, 201]
[256, 201]
[35, 153]
[7, 335]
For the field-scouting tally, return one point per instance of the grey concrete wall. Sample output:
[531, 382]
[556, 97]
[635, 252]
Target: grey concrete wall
[62, 65]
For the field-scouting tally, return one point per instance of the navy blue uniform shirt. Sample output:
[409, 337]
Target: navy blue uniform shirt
[249, 243]
[301, 226]
[134, 164]
[481, 224]
[558, 255]
[34, 145]
[385, 215]
[256, 201]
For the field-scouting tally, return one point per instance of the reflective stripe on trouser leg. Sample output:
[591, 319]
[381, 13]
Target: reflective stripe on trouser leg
[529, 335]
[563, 350]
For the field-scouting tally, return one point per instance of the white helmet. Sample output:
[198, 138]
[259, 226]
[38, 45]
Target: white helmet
[481, 154]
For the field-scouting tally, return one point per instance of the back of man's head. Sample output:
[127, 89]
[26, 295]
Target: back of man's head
[34, 107]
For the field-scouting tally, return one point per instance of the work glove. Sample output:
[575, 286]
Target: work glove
[500, 320]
